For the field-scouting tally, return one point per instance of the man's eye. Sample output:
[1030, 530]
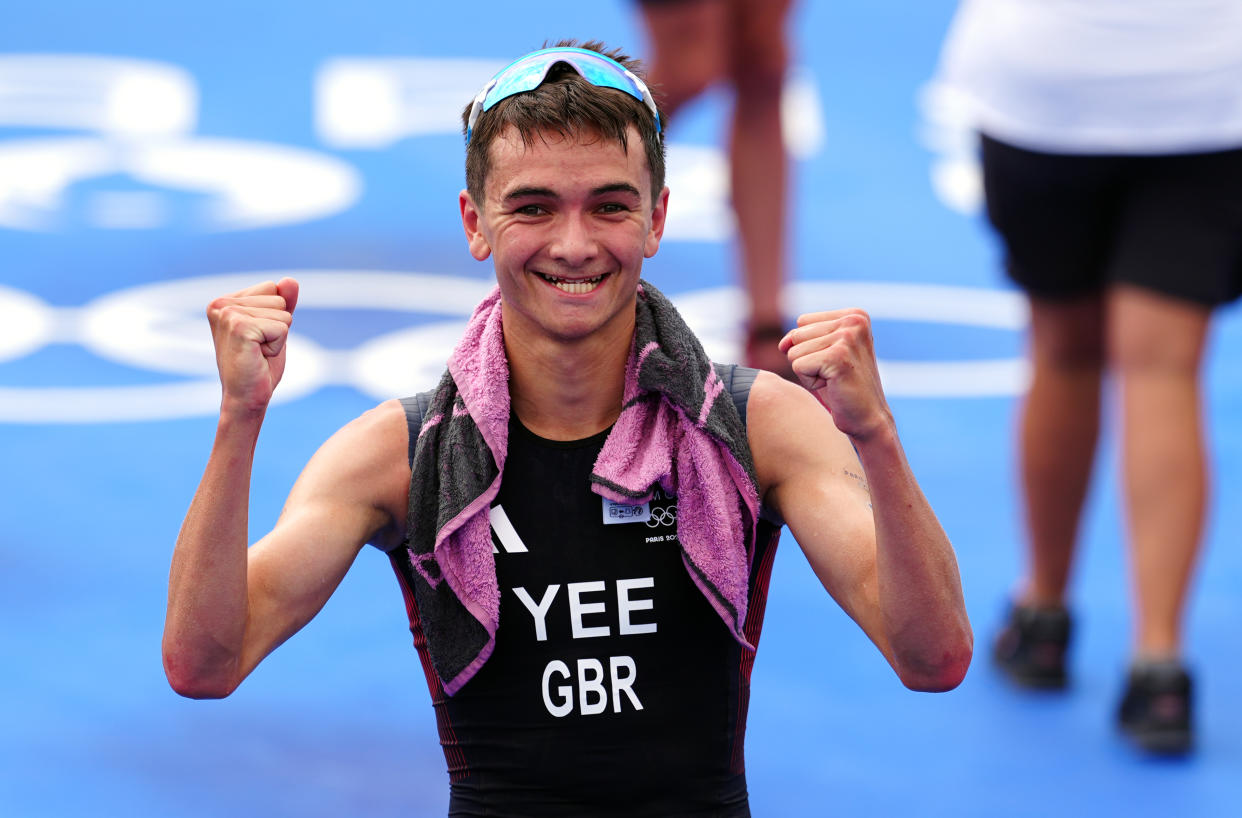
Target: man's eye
[529, 210]
[613, 207]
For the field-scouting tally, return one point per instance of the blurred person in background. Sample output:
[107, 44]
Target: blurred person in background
[694, 45]
[1111, 139]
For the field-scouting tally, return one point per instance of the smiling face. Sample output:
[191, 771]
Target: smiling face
[567, 221]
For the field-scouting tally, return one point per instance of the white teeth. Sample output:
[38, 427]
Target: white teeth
[581, 287]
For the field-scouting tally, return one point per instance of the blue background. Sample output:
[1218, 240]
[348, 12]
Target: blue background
[337, 721]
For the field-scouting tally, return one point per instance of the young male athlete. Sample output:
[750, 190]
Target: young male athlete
[581, 521]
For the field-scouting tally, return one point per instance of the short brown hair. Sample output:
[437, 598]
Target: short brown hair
[568, 105]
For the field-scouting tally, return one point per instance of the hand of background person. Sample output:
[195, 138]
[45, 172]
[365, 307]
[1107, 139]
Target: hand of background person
[249, 329]
[833, 355]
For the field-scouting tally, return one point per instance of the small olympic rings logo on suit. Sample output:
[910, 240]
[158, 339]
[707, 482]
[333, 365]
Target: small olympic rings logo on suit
[662, 515]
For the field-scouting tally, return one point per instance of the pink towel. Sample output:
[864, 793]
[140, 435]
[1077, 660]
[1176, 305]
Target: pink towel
[672, 433]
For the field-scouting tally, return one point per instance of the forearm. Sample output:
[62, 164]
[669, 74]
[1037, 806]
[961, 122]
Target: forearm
[919, 588]
[205, 627]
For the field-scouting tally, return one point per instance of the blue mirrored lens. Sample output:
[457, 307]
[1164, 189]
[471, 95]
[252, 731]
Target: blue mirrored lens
[526, 73]
[519, 79]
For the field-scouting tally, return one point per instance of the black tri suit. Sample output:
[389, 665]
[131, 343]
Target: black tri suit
[614, 687]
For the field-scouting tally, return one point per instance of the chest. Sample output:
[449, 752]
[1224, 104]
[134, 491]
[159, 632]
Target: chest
[574, 566]
[594, 595]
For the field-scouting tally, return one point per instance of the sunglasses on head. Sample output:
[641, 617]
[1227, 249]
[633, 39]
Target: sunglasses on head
[526, 73]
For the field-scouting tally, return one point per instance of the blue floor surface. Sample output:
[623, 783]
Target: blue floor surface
[319, 139]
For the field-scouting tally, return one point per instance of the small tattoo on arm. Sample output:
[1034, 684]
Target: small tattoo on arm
[858, 478]
[862, 481]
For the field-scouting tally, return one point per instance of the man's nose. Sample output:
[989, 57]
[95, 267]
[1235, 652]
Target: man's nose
[574, 243]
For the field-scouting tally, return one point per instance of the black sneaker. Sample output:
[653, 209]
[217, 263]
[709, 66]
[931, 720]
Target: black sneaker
[1030, 648]
[1155, 709]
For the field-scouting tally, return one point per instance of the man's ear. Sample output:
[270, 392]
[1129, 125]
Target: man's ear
[658, 214]
[471, 221]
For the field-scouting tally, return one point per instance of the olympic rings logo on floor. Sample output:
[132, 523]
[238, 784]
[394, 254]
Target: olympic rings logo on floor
[160, 328]
[139, 118]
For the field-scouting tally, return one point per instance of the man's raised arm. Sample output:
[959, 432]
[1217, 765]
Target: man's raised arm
[835, 470]
[230, 605]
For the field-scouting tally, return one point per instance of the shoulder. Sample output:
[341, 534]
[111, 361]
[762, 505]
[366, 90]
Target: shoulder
[373, 435]
[775, 402]
[792, 437]
[363, 466]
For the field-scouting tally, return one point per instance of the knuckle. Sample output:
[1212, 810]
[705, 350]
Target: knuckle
[857, 325]
[233, 318]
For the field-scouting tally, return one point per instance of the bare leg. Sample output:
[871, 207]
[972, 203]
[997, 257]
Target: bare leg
[759, 164]
[1156, 344]
[688, 42]
[694, 44]
[1059, 426]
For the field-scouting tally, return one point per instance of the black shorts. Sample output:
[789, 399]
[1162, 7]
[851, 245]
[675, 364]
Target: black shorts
[1074, 224]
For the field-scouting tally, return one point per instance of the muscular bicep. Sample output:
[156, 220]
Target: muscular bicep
[351, 492]
[810, 474]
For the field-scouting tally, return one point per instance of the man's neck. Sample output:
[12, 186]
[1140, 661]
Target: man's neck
[567, 391]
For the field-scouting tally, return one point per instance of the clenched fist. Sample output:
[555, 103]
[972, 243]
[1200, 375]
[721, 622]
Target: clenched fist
[833, 355]
[249, 329]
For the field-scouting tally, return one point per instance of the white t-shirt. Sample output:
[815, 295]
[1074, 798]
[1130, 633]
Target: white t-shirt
[1099, 76]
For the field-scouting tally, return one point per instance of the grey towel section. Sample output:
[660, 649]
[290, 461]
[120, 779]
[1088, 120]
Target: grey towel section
[415, 407]
[678, 369]
[440, 489]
